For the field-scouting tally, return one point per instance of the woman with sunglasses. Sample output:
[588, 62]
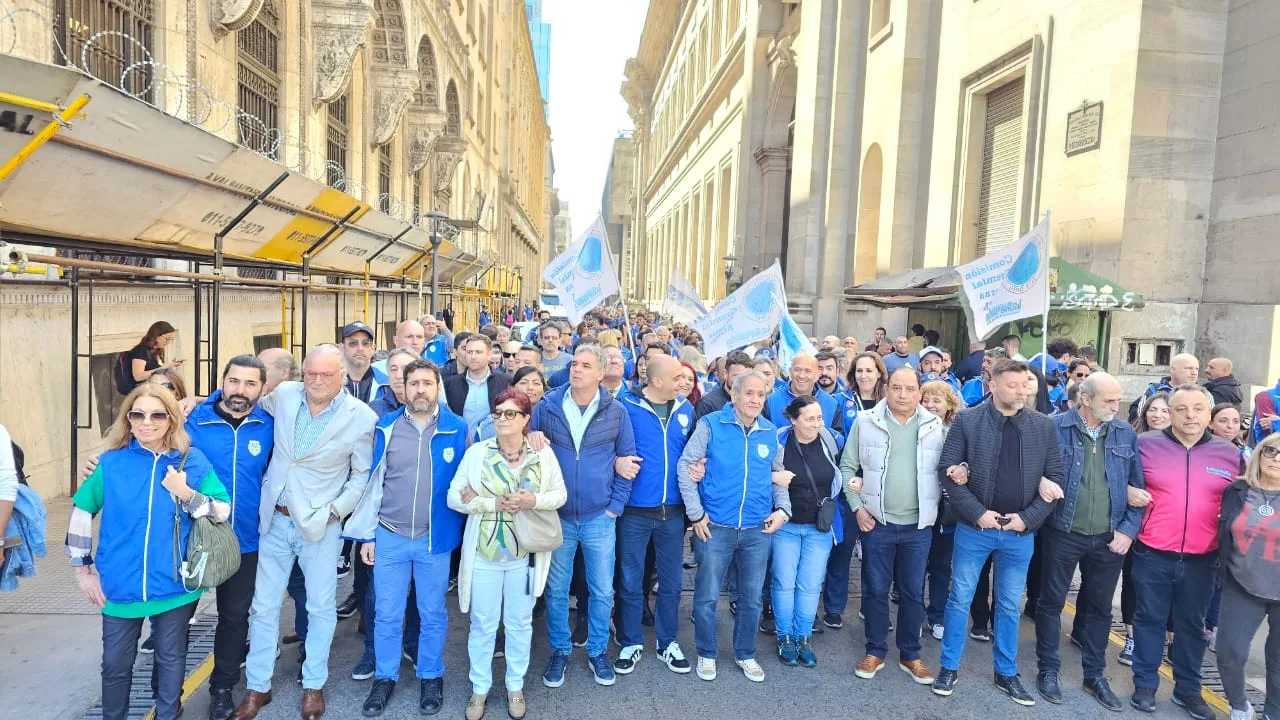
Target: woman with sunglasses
[528, 380]
[1247, 538]
[148, 485]
[498, 580]
[169, 379]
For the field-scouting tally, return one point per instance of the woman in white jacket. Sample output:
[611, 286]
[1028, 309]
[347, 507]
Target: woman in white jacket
[498, 580]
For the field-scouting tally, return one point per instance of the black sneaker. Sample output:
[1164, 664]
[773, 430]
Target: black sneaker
[832, 620]
[349, 607]
[1048, 686]
[1126, 653]
[579, 637]
[430, 696]
[893, 594]
[1195, 706]
[1101, 690]
[379, 696]
[148, 646]
[818, 627]
[733, 607]
[221, 706]
[767, 623]
[980, 634]
[1012, 685]
[627, 659]
[945, 682]
[1143, 699]
[344, 566]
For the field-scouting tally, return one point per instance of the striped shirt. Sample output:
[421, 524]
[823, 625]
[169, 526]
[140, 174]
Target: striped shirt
[307, 429]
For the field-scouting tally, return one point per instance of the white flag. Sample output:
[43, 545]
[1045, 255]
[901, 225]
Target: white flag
[682, 303]
[791, 342]
[748, 315]
[1009, 284]
[584, 274]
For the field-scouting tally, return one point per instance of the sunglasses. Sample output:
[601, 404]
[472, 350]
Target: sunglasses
[357, 342]
[506, 414]
[1269, 451]
[1079, 375]
[508, 355]
[156, 417]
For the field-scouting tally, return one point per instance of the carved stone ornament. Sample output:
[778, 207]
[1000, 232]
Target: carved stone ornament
[339, 30]
[780, 52]
[393, 90]
[448, 154]
[425, 128]
[228, 16]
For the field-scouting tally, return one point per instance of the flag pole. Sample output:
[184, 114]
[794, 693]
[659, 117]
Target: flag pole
[1048, 296]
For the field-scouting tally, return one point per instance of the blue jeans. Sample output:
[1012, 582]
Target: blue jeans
[1182, 587]
[634, 533]
[396, 559]
[939, 572]
[120, 648]
[278, 548]
[800, 554]
[835, 589]
[597, 538]
[888, 552]
[747, 550]
[1012, 553]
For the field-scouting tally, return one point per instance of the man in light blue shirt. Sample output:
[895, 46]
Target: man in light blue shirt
[471, 393]
[901, 355]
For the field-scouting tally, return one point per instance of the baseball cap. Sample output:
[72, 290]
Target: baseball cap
[930, 349]
[356, 327]
[766, 352]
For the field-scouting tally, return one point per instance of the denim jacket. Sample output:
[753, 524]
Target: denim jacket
[1123, 467]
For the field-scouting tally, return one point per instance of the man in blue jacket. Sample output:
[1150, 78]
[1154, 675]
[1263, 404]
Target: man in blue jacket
[804, 381]
[734, 509]
[409, 531]
[1092, 527]
[590, 433]
[661, 421]
[236, 436]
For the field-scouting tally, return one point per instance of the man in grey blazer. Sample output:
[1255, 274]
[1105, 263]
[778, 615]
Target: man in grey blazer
[318, 471]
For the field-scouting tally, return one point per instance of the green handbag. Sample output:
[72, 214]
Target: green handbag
[213, 552]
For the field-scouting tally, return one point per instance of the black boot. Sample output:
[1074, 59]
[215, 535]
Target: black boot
[379, 697]
[221, 706]
[431, 696]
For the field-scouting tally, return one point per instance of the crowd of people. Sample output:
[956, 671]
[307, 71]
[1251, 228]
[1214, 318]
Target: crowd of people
[577, 462]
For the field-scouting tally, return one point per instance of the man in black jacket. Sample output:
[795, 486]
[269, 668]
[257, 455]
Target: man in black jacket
[735, 364]
[991, 466]
[1222, 385]
[470, 394]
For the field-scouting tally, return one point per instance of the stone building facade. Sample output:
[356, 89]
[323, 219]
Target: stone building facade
[860, 139]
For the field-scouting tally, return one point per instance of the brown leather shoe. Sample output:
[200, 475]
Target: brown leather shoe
[917, 670]
[312, 704]
[253, 702]
[869, 666]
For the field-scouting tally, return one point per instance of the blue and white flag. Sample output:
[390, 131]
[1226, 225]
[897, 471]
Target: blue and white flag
[1009, 284]
[791, 342]
[583, 274]
[748, 315]
[682, 302]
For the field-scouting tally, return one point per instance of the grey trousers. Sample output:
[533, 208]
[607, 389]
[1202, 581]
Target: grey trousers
[1246, 613]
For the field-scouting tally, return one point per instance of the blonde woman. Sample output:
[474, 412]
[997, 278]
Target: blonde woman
[496, 579]
[1247, 538]
[149, 480]
[939, 398]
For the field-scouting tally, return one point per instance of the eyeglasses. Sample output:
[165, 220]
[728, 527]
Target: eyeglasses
[313, 375]
[1269, 451]
[156, 417]
[507, 414]
[357, 342]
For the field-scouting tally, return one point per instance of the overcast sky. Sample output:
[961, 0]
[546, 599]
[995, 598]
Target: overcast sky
[590, 43]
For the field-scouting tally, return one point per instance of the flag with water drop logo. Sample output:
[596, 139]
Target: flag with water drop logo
[748, 315]
[682, 302]
[1009, 284]
[583, 274]
[791, 342]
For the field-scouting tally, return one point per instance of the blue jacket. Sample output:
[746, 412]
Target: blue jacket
[448, 443]
[559, 378]
[589, 478]
[973, 392]
[28, 523]
[782, 396]
[1123, 466]
[737, 490]
[657, 483]
[239, 457]
[135, 554]
[436, 350]
[849, 404]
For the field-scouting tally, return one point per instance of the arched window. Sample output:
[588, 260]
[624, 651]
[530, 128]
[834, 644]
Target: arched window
[120, 58]
[258, 81]
[453, 126]
[428, 94]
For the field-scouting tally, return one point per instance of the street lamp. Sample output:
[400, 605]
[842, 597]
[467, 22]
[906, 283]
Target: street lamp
[519, 284]
[437, 220]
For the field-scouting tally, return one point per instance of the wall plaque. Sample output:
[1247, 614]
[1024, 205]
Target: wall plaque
[1084, 129]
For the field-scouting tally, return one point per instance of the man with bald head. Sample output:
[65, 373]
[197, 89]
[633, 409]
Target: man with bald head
[410, 336]
[1184, 369]
[280, 367]
[1222, 385]
[803, 381]
[435, 345]
[661, 422]
[1093, 528]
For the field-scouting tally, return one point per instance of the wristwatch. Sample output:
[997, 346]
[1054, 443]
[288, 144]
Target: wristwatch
[333, 515]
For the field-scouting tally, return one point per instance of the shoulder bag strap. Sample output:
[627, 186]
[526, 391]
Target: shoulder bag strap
[177, 523]
[808, 471]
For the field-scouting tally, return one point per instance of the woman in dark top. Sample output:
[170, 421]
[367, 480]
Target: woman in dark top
[148, 355]
[809, 469]
[1247, 538]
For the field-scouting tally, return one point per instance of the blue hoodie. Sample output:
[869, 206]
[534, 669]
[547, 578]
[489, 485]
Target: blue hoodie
[239, 457]
[657, 483]
[589, 479]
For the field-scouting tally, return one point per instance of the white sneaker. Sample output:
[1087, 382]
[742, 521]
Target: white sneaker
[937, 632]
[752, 670]
[673, 656]
[1246, 714]
[707, 668]
[627, 659]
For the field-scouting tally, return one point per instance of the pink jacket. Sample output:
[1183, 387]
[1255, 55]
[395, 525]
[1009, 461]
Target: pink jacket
[1186, 487]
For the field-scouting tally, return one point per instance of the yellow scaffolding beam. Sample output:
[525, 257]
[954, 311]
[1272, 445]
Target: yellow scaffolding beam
[61, 117]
